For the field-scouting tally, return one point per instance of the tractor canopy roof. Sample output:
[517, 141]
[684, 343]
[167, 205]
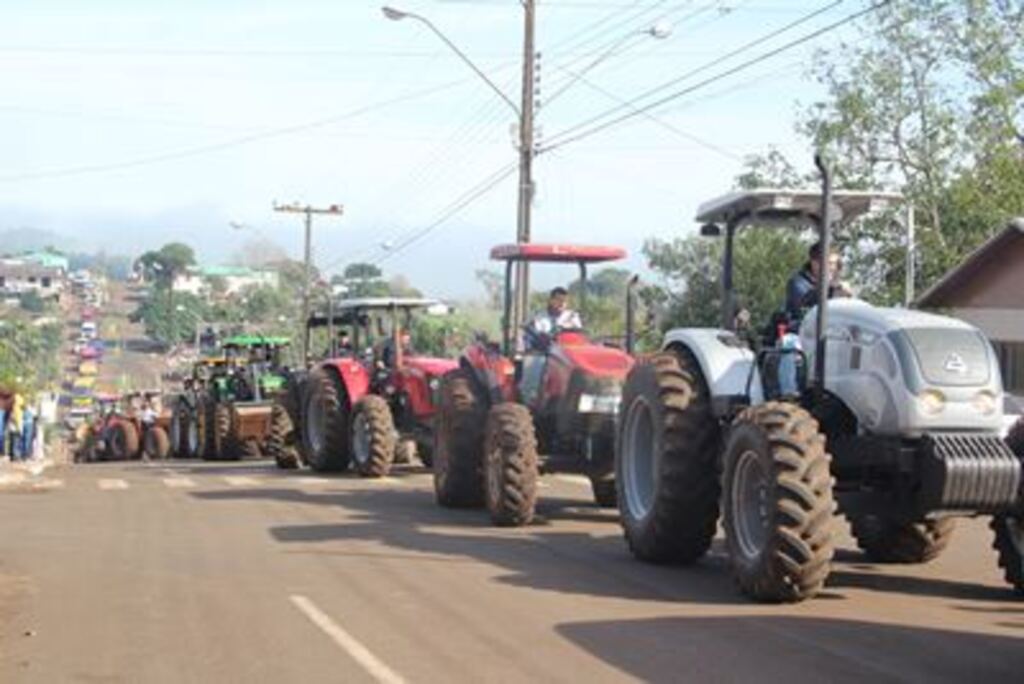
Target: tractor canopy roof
[255, 341]
[790, 207]
[384, 304]
[571, 254]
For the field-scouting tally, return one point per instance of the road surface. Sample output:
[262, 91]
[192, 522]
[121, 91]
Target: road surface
[194, 572]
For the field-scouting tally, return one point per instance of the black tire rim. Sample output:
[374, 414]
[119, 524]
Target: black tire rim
[639, 459]
[749, 499]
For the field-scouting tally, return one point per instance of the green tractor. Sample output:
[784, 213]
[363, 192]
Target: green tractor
[226, 409]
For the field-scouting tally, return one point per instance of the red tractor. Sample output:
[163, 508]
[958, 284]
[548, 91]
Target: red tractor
[119, 432]
[503, 407]
[370, 396]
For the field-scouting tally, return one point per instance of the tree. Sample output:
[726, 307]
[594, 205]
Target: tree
[167, 263]
[31, 302]
[364, 280]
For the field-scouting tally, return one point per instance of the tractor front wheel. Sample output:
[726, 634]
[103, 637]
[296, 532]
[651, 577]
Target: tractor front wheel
[510, 465]
[778, 503]
[891, 541]
[123, 441]
[373, 437]
[458, 452]
[156, 445]
[666, 469]
[224, 445]
[204, 422]
[325, 422]
[281, 443]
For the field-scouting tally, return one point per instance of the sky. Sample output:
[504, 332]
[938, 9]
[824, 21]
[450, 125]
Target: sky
[126, 124]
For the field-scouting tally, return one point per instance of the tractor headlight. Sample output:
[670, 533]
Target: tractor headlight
[984, 402]
[933, 402]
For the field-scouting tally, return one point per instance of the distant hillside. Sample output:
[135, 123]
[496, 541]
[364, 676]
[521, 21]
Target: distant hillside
[17, 240]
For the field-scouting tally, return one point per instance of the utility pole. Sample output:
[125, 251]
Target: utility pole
[526, 151]
[308, 211]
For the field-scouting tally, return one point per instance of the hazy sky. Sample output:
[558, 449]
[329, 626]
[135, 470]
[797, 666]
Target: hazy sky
[126, 124]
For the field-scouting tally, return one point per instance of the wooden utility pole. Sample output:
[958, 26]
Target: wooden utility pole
[526, 152]
[309, 211]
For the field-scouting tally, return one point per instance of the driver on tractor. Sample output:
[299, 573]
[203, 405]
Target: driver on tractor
[558, 316]
[802, 288]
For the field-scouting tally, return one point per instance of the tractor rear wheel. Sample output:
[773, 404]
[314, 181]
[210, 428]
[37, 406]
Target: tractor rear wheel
[510, 465]
[1009, 530]
[666, 470]
[177, 430]
[156, 445]
[458, 452]
[778, 504]
[204, 421]
[325, 422]
[225, 447]
[281, 442]
[373, 437]
[123, 441]
[891, 541]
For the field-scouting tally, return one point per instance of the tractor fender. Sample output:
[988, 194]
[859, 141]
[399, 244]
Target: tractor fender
[353, 375]
[729, 367]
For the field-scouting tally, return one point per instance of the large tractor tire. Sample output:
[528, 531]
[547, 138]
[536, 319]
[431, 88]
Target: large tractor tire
[889, 541]
[601, 472]
[372, 437]
[204, 417]
[325, 422]
[510, 465]
[225, 446]
[666, 467]
[425, 452]
[282, 441]
[122, 441]
[1009, 529]
[156, 445]
[178, 430]
[778, 503]
[459, 443]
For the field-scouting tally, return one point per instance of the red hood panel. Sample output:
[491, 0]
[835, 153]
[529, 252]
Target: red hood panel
[599, 361]
[430, 366]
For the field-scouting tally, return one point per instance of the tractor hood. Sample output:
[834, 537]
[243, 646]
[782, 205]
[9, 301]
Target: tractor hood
[430, 366]
[597, 360]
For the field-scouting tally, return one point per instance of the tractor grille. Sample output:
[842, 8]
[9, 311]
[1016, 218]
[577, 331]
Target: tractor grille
[969, 471]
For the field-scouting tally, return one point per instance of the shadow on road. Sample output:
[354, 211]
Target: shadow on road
[795, 649]
[537, 557]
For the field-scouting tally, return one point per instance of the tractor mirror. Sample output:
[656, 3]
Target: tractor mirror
[710, 230]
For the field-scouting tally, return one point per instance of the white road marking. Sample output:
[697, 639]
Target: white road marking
[179, 482]
[241, 481]
[48, 484]
[362, 655]
[314, 480]
[109, 485]
[581, 480]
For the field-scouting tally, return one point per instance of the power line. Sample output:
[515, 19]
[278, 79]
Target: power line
[227, 144]
[704, 67]
[567, 136]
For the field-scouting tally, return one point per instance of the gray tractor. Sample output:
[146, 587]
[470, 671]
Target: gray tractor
[894, 416]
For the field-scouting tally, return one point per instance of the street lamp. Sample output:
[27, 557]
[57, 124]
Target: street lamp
[524, 116]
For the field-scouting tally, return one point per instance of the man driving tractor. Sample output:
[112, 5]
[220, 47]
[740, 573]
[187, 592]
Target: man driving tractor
[802, 288]
[557, 316]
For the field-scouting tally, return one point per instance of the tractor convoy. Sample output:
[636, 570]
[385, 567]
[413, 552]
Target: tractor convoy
[892, 418]
[127, 427]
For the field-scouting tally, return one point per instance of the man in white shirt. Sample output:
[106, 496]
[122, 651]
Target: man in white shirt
[558, 316]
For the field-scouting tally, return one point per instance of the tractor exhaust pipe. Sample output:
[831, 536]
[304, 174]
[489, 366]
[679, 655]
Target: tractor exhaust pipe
[631, 314]
[824, 277]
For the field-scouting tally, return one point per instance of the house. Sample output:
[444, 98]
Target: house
[48, 259]
[18, 277]
[987, 290]
[200, 281]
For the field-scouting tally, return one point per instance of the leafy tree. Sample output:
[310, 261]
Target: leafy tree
[31, 302]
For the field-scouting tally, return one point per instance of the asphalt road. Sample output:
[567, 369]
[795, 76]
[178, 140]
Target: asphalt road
[192, 572]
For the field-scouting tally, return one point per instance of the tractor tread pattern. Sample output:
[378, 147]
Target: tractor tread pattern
[325, 387]
[511, 447]
[684, 515]
[157, 445]
[381, 429]
[1008, 553]
[458, 453]
[281, 440]
[889, 541]
[800, 546]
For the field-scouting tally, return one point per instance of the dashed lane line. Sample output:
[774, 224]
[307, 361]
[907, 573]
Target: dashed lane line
[373, 665]
[111, 484]
[179, 482]
[241, 481]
